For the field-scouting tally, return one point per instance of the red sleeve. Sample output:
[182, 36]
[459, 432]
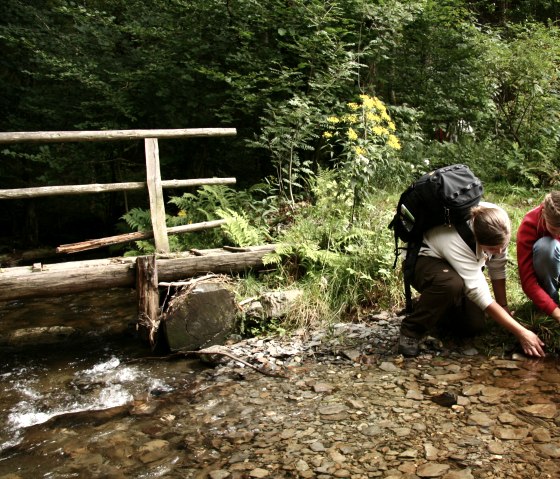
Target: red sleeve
[530, 230]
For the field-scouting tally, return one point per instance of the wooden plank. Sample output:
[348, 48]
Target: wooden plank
[136, 236]
[79, 276]
[157, 205]
[13, 193]
[147, 292]
[109, 135]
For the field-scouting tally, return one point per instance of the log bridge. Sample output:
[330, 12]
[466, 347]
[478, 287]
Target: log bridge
[143, 272]
[58, 279]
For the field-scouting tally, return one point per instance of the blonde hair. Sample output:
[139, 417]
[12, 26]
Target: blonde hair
[491, 225]
[551, 209]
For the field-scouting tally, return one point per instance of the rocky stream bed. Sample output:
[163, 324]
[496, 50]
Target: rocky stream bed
[334, 404]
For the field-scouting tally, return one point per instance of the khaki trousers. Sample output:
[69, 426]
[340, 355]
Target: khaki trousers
[442, 303]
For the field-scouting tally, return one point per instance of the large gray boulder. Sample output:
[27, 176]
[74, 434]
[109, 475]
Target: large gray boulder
[200, 317]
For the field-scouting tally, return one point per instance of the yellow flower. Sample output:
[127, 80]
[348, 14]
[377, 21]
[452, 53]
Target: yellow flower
[379, 130]
[391, 125]
[333, 119]
[327, 134]
[379, 104]
[353, 118]
[394, 142]
[373, 117]
[359, 150]
[182, 213]
[368, 101]
[353, 106]
[352, 135]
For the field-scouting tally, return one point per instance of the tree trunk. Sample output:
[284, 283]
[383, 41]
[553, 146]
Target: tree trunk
[79, 276]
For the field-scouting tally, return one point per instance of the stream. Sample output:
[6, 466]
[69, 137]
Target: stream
[82, 397]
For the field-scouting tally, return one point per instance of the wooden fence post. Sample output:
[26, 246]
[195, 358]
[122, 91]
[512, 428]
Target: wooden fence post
[155, 190]
[147, 291]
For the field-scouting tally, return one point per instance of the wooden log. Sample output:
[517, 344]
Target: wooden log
[225, 263]
[79, 276]
[155, 191]
[147, 292]
[14, 193]
[136, 236]
[109, 135]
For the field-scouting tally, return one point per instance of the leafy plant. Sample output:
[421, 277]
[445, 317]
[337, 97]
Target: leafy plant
[240, 231]
[343, 267]
[363, 145]
[287, 132]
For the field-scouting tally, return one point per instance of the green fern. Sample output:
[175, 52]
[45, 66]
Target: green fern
[138, 219]
[202, 206]
[239, 230]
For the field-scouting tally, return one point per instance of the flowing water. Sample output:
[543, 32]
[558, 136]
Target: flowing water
[71, 357]
[81, 397]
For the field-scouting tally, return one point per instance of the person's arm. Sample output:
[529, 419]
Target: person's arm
[530, 342]
[556, 314]
[499, 288]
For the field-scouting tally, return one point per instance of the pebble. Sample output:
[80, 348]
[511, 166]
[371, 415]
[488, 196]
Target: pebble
[365, 413]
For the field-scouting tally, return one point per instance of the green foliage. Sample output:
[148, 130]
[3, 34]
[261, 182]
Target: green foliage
[138, 219]
[287, 134]
[239, 230]
[202, 205]
[344, 267]
[251, 326]
[544, 326]
[429, 56]
[211, 202]
[365, 137]
[523, 64]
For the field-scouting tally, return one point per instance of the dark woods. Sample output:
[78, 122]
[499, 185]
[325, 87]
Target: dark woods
[276, 71]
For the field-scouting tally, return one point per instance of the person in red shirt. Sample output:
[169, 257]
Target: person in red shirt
[538, 254]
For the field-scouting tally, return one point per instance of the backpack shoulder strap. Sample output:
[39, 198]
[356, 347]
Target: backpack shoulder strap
[409, 265]
[467, 235]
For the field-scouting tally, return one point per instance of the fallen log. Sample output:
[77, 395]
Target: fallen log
[135, 236]
[80, 276]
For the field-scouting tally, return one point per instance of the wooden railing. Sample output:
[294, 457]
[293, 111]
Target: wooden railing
[144, 272]
[153, 183]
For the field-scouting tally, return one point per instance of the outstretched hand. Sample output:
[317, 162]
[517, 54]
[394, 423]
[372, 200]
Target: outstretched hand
[532, 344]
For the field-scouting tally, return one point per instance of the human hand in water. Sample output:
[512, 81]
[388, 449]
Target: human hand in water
[531, 344]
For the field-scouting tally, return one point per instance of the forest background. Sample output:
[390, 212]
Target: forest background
[338, 105]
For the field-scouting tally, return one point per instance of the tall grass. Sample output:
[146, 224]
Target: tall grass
[346, 269]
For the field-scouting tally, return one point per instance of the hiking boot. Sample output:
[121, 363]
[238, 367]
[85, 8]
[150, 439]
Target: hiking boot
[409, 346]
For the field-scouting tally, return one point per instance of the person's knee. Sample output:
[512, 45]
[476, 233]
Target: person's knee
[452, 287]
[546, 249]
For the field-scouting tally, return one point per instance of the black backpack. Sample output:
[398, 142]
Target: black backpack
[443, 196]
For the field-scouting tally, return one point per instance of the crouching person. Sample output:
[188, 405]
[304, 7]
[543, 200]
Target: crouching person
[538, 254]
[454, 293]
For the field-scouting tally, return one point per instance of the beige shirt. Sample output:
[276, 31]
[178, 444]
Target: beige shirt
[444, 242]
